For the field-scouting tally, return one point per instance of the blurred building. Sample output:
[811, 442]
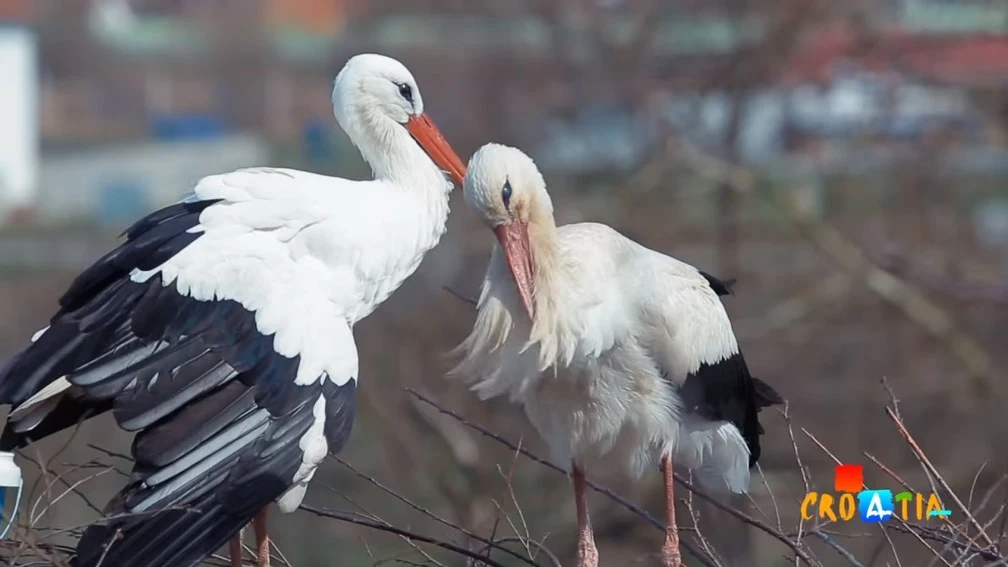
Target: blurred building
[266, 64]
[19, 146]
[115, 71]
[897, 88]
[16, 10]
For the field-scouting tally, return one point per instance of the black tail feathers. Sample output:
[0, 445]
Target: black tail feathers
[720, 287]
[766, 396]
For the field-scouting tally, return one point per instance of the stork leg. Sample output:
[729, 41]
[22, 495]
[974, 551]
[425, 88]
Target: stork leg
[262, 539]
[670, 551]
[587, 554]
[235, 549]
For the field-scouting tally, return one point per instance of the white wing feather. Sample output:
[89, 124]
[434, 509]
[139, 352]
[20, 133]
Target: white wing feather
[308, 254]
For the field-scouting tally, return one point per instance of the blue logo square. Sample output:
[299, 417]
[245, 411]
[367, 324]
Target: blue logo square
[875, 505]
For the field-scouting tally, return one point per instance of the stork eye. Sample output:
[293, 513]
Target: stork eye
[406, 91]
[506, 194]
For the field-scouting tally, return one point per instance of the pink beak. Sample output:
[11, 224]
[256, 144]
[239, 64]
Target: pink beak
[514, 239]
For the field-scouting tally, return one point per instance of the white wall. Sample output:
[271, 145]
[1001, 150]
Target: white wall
[18, 117]
[71, 185]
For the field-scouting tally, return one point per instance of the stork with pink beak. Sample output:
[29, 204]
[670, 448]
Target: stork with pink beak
[221, 330]
[620, 355]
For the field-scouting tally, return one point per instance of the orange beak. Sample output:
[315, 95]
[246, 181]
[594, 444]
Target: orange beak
[514, 239]
[433, 142]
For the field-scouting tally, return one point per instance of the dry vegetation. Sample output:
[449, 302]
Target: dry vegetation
[972, 535]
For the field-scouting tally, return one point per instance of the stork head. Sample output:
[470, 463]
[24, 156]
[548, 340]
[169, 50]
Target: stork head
[504, 187]
[373, 89]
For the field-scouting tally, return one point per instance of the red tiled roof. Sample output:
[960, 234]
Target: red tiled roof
[312, 14]
[957, 59]
[977, 59]
[16, 11]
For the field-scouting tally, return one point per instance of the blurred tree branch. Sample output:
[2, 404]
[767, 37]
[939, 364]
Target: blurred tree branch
[915, 305]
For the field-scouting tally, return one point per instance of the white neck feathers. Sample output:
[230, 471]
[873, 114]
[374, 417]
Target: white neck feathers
[390, 150]
[502, 328]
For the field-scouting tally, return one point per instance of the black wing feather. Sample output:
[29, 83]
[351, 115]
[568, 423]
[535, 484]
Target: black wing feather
[68, 413]
[139, 242]
[217, 413]
[164, 442]
[340, 408]
[99, 298]
[192, 402]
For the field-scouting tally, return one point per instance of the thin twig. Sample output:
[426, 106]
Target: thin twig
[374, 482]
[354, 519]
[931, 469]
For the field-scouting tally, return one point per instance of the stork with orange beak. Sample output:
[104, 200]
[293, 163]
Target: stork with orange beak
[221, 330]
[620, 355]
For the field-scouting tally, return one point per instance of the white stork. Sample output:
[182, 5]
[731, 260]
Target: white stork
[620, 355]
[220, 331]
